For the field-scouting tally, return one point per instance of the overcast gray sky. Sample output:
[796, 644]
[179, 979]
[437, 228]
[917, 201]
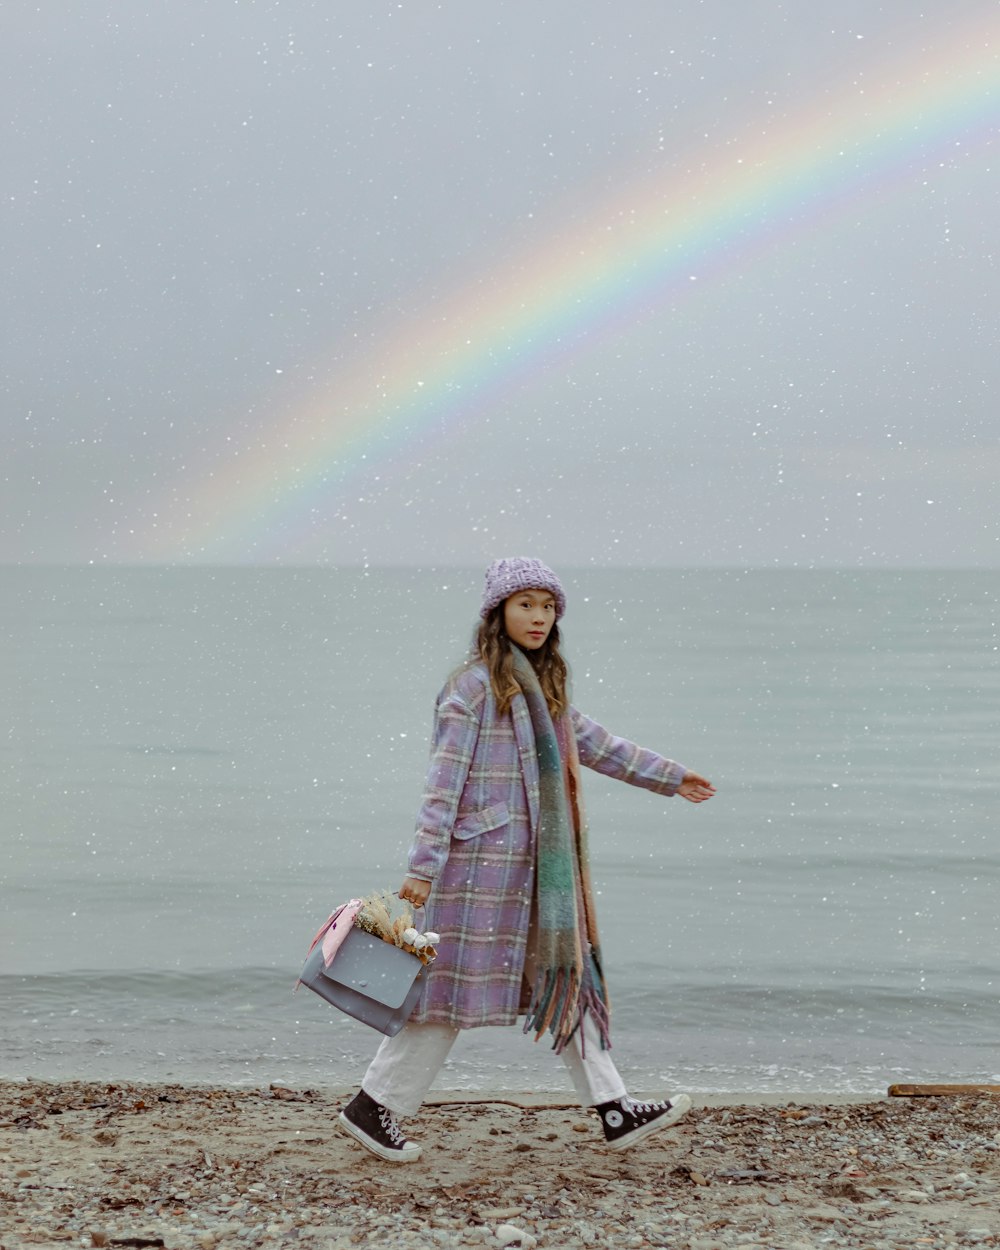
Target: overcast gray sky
[325, 282]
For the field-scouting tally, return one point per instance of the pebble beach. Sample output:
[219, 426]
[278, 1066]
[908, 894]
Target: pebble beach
[194, 1168]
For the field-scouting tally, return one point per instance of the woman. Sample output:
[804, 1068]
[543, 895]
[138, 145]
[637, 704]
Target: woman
[502, 844]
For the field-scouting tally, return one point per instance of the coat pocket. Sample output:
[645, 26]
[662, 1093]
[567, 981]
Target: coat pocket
[471, 824]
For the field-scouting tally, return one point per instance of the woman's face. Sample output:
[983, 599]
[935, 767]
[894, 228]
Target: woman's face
[528, 617]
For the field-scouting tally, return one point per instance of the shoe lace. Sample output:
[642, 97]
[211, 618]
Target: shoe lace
[644, 1108]
[388, 1122]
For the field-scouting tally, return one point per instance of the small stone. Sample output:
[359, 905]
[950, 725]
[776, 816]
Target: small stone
[509, 1235]
[823, 1214]
[98, 1238]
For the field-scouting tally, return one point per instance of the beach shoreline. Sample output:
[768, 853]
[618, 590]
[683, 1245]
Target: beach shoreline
[192, 1167]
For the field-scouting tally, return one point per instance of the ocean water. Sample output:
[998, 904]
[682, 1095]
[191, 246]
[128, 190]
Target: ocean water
[198, 764]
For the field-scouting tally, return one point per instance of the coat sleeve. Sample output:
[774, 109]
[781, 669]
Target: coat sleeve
[623, 760]
[456, 731]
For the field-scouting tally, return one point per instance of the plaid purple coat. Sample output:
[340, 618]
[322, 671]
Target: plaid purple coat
[475, 841]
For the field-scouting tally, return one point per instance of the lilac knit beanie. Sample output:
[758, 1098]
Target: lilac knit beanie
[506, 577]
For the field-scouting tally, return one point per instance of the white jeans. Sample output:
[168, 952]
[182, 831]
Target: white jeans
[405, 1066]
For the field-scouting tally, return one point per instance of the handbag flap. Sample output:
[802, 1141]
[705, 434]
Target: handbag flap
[374, 968]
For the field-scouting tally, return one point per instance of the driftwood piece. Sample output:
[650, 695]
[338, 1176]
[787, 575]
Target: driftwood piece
[934, 1091]
[445, 1104]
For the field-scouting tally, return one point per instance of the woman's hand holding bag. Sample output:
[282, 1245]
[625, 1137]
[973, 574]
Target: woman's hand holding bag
[415, 891]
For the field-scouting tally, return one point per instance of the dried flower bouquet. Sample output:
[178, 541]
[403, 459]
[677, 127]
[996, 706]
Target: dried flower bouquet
[375, 916]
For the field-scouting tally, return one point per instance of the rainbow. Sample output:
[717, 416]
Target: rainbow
[657, 236]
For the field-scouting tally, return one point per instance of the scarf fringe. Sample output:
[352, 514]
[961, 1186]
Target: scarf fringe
[559, 1005]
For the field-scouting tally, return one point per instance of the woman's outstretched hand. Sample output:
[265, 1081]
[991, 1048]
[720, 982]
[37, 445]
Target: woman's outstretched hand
[415, 891]
[695, 789]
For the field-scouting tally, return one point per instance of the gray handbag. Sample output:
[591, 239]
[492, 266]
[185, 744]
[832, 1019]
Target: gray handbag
[369, 979]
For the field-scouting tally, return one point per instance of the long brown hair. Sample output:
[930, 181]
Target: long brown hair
[495, 649]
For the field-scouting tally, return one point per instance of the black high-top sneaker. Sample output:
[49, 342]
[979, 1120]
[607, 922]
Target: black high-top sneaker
[375, 1127]
[627, 1121]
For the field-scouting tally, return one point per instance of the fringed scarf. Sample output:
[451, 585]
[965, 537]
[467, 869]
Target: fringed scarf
[569, 983]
